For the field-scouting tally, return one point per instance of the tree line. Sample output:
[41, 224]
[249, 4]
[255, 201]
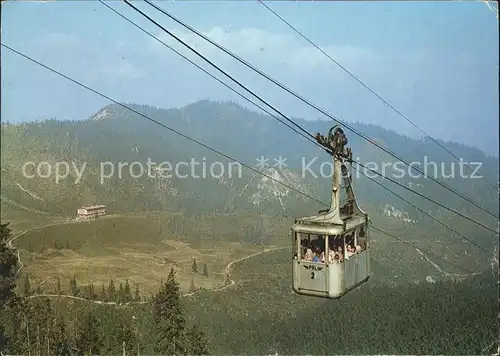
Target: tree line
[122, 294]
[262, 316]
[44, 327]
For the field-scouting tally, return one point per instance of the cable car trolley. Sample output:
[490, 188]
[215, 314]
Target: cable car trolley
[331, 249]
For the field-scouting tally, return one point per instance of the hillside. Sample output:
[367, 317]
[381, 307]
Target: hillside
[262, 315]
[94, 148]
[236, 228]
[116, 135]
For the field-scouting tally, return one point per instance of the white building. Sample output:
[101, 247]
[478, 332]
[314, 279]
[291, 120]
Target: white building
[91, 212]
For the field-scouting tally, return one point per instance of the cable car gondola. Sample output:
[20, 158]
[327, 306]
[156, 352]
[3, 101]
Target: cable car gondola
[331, 250]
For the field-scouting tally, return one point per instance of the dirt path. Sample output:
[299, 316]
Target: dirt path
[227, 271]
[9, 243]
[18, 251]
[82, 299]
[72, 221]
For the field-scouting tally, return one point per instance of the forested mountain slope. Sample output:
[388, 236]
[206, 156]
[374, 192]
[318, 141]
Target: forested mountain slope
[116, 135]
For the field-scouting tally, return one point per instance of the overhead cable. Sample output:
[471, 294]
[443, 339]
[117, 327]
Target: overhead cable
[169, 128]
[356, 78]
[308, 137]
[302, 129]
[426, 213]
[308, 102]
[281, 114]
[157, 122]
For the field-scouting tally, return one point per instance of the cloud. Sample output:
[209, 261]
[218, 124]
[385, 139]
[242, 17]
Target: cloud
[268, 48]
[75, 55]
[423, 82]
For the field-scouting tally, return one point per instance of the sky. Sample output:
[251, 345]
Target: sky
[436, 62]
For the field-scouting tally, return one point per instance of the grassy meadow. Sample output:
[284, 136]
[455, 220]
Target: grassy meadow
[140, 248]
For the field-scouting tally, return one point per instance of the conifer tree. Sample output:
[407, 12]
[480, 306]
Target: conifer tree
[196, 342]
[122, 333]
[59, 288]
[205, 270]
[192, 287]
[35, 313]
[8, 268]
[112, 291]
[93, 295]
[77, 289]
[87, 336]
[127, 292]
[121, 294]
[103, 296]
[74, 287]
[47, 326]
[17, 339]
[168, 319]
[137, 294]
[195, 267]
[60, 341]
[3, 339]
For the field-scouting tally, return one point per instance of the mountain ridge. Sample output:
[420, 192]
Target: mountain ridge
[209, 104]
[114, 134]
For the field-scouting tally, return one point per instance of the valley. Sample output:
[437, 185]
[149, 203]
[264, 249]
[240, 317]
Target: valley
[227, 241]
[140, 248]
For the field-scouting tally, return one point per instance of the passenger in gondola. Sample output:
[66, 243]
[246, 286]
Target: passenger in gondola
[349, 239]
[331, 256]
[309, 255]
[317, 255]
[340, 253]
[350, 251]
[321, 243]
[314, 245]
[332, 244]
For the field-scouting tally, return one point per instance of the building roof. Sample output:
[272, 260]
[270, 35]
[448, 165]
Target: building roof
[92, 207]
